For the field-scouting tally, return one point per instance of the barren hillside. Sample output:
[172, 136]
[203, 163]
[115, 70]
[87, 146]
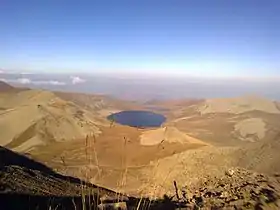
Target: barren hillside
[34, 117]
[5, 87]
[167, 134]
[98, 103]
[239, 105]
[35, 186]
[227, 122]
[201, 140]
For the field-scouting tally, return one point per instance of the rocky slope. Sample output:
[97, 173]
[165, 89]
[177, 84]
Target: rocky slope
[36, 186]
[236, 189]
[208, 146]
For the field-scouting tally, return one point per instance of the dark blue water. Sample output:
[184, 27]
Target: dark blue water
[137, 118]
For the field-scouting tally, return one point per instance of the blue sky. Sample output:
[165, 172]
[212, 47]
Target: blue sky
[232, 38]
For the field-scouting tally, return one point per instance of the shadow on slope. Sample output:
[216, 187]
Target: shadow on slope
[10, 158]
[27, 184]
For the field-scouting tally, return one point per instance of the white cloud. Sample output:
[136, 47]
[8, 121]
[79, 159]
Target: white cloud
[77, 80]
[50, 82]
[26, 73]
[3, 80]
[25, 81]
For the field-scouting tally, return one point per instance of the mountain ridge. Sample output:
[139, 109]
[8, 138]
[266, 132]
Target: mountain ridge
[70, 133]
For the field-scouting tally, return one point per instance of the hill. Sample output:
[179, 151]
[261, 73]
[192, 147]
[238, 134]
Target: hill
[167, 134]
[36, 117]
[227, 122]
[200, 140]
[239, 105]
[5, 87]
[242, 132]
[35, 186]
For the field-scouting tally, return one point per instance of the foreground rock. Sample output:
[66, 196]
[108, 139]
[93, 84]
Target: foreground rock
[27, 184]
[237, 189]
[35, 186]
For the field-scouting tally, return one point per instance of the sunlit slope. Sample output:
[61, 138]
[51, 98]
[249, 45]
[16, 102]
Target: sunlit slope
[167, 134]
[34, 117]
[228, 121]
[239, 105]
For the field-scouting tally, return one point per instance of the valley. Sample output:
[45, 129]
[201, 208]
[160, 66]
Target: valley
[139, 105]
[71, 133]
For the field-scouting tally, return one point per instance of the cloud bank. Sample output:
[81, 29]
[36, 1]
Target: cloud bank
[77, 80]
[26, 81]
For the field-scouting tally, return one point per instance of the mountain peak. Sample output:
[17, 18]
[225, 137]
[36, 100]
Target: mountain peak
[5, 86]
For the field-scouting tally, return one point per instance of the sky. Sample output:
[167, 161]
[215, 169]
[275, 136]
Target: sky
[217, 38]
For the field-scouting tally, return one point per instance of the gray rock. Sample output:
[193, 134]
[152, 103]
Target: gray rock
[224, 194]
[109, 206]
[230, 172]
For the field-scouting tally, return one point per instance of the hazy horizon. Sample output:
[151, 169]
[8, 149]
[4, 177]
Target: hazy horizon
[159, 38]
[143, 50]
[149, 88]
